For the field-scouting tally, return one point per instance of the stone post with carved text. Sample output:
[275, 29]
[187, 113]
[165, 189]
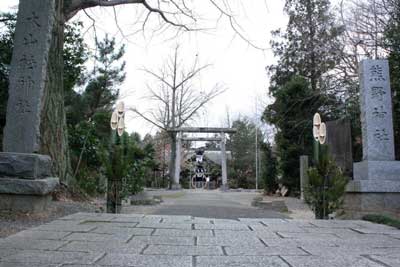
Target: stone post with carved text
[26, 178]
[376, 110]
[28, 75]
[375, 187]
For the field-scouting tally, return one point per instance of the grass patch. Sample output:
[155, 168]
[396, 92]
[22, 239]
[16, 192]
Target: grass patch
[382, 219]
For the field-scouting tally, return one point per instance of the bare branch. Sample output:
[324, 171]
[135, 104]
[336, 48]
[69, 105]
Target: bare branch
[147, 118]
[178, 101]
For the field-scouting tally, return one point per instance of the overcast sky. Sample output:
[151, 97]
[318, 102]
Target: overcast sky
[237, 66]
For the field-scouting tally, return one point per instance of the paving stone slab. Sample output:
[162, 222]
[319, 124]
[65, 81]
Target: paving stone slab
[340, 232]
[394, 235]
[145, 260]
[274, 221]
[163, 225]
[287, 242]
[339, 223]
[257, 234]
[383, 230]
[90, 216]
[110, 223]
[250, 220]
[65, 228]
[264, 232]
[109, 247]
[42, 235]
[323, 261]
[366, 249]
[55, 257]
[225, 221]
[136, 220]
[373, 241]
[234, 227]
[298, 235]
[23, 243]
[240, 261]
[4, 252]
[20, 264]
[95, 237]
[392, 260]
[182, 232]
[183, 250]
[122, 231]
[289, 228]
[130, 215]
[163, 240]
[301, 222]
[170, 217]
[66, 222]
[189, 221]
[201, 220]
[265, 251]
[240, 241]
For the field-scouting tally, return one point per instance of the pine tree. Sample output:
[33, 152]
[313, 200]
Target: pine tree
[310, 45]
[291, 113]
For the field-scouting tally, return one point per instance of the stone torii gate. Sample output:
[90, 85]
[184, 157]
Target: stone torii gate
[221, 139]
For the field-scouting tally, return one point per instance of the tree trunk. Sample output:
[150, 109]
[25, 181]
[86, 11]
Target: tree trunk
[53, 128]
[172, 159]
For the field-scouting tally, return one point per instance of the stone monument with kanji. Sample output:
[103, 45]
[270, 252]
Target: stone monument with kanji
[376, 183]
[26, 179]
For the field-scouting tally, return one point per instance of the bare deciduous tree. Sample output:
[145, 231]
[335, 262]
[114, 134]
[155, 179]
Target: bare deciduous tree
[365, 22]
[177, 101]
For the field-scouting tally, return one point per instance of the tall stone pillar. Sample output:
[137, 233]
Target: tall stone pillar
[25, 177]
[223, 164]
[178, 160]
[376, 184]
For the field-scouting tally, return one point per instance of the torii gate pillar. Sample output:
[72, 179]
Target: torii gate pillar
[223, 164]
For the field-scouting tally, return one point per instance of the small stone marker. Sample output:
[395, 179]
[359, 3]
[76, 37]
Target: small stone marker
[25, 181]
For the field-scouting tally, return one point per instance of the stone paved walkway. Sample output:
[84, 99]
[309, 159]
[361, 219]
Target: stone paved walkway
[90, 239]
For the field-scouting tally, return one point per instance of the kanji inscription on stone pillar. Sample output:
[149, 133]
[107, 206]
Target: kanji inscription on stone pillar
[28, 75]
